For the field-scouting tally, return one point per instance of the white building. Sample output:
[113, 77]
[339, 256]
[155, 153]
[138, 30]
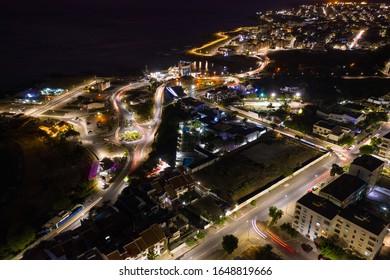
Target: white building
[313, 216]
[357, 230]
[384, 147]
[360, 231]
[367, 168]
[341, 117]
[330, 131]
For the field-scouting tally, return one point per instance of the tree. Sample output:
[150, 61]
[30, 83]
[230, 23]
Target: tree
[253, 202]
[201, 235]
[21, 239]
[230, 243]
[152, 254]
[190, 242]
[71, 133]
[366, 150]
[265, 253]
[289, 230]
[275, 214]
[336, 169]
[347, 140]
[375, 142]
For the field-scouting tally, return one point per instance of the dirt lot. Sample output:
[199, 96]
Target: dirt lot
[244, 172]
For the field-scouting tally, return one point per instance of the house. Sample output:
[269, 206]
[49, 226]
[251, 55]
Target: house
[150, 240]
[191, 105]
[137, 204]
[330, 131]
[361, 231]
[313, 215]
[367, 168]
[344, 191]
[341, 115]
[175, 228]
[220, 94]
[179, 185]
[167, 190]
[248, 134]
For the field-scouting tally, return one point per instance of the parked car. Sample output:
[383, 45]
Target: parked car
[321, 257]
[306, 247]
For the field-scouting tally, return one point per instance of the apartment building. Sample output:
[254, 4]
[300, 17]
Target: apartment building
[367, 168]
[313, 216]
[384, 147]
[344, 191]
[361, 231]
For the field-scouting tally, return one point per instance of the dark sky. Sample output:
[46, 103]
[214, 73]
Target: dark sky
[101, 5]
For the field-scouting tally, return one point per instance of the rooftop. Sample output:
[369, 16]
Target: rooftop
[152, 235]
[364, 220]
[387, 135]
[319, 205]
[343, 187]
[189, 101]
[368, 162]
[325, 124]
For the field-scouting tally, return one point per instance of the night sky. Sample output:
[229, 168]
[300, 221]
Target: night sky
[45, 38]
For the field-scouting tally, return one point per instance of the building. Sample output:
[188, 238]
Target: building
[344, 191]
[151, 240]
[378, 101]
[384, 147]
[341, 116]
[94, 106]
[367, 168]
[330, 131]
[175, 228]
[191, 105]
[220, 94]
[185, 68]
[103, 85]
[313, 215]
[179, 185]
[361, 231]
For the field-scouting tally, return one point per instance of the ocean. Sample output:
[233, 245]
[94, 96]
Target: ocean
[44, 39]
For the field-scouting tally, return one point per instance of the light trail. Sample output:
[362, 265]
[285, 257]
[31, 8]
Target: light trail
[257, 230]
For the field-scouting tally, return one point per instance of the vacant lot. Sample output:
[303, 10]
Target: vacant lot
[39, 178]
[242, 173]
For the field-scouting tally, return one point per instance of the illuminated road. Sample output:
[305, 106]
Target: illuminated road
[137, 152]
[283, 197]
[222, 36]
[285, 194]
[56, 101]
[356, 40]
